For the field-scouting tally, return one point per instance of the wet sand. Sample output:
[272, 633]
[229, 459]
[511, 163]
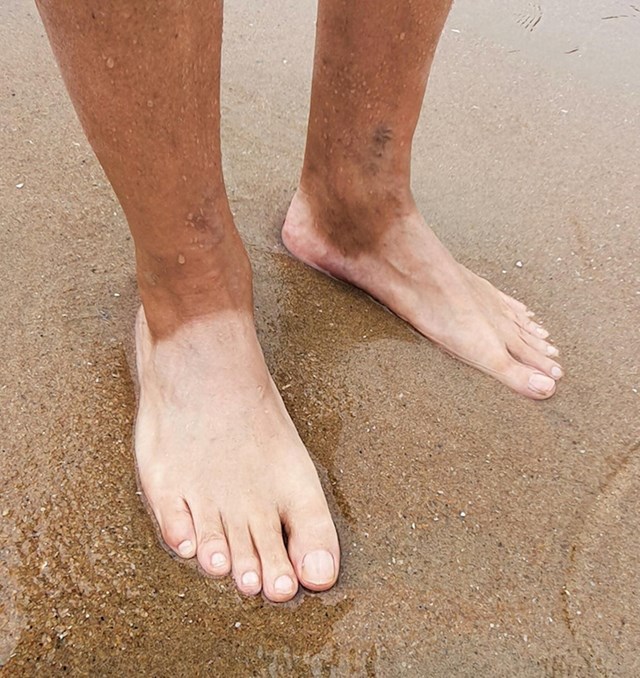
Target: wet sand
[483, 534]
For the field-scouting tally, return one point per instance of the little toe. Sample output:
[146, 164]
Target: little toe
[176, 525]
[279, 582]
[535, 358]
[517, 306]
[313, 547]
[246, 564]
[213, 549]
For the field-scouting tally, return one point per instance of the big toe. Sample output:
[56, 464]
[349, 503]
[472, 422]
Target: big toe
[318, 570]
[313, 546]
[526, 380]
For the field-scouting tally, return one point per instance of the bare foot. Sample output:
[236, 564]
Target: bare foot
[393, 255]
[221, 462]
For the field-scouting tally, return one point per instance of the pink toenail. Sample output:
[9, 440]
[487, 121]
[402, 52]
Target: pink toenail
[541, 383]
[552, 350]
[283, 584]
[185, 548]
[556, 372]
[218, 560]
[318, 567]
[250, 579]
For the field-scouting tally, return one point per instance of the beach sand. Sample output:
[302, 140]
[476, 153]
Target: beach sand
[483, 534]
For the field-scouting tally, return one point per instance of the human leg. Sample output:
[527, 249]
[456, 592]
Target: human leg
[219, 459]
[353, 215]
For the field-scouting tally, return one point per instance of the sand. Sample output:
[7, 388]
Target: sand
[483, 534]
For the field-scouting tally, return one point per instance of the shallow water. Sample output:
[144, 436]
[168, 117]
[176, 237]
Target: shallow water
[482, 534]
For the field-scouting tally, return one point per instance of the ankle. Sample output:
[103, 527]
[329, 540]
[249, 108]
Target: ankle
[346, 214]
[187, 288]
[355, 191]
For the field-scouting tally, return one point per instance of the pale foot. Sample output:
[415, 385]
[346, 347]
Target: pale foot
[222, 465]
[395, 257]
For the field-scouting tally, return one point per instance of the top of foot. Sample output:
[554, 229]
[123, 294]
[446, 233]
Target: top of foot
[222, 465]
[396, 258]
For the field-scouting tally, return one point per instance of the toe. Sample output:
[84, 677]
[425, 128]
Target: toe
[532, 327]
[245, 561]
[516, 306]
[531, 356]
[213, 549]
[279, 582]
[313, 545]
[540, 345]
[176, 525]
[524, 379]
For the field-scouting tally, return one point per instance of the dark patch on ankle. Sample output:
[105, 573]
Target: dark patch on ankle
[151, 278]
[197, 220]
[382, 135]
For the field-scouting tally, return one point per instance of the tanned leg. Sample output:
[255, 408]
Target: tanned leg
[353, 215]
[219, 459]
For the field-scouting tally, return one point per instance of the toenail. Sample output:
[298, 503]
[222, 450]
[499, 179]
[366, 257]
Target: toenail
[283, 584]
[250, 579]
[318, 567]
[556, 372]
[541, 383]
[542, 332]
[552, 350]
[218, 560]
[185, 548]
